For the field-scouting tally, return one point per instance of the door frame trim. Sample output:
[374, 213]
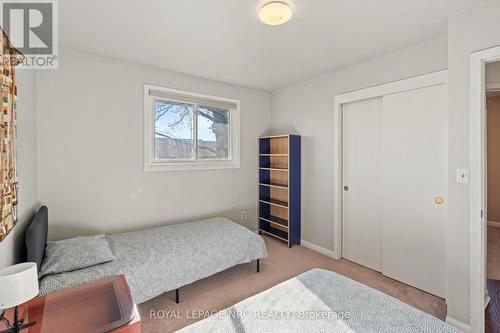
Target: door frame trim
[421, 81]
[477, 202]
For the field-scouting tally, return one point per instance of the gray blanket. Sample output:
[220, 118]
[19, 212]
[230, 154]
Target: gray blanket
[165, 258]
[321, 301]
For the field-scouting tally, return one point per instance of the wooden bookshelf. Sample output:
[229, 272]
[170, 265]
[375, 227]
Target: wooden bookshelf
[279, 187]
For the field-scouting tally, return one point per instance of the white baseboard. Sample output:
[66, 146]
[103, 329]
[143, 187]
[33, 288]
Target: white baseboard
[317, 248]
[494, 224]
[458, 324]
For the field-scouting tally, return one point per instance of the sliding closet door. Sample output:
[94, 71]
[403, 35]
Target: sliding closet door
[362, 181]
[414, 188]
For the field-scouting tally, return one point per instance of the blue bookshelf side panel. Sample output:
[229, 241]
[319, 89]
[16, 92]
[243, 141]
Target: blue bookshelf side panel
[295, 189]
[264, 210]
[264, 193]
[264, 176]
[264, 161]
[264, 225]
[264, 146]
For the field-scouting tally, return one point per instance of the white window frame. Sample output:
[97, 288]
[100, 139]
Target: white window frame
[150, 162]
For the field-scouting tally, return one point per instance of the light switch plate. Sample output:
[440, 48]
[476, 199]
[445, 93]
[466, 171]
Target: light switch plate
[463, 176]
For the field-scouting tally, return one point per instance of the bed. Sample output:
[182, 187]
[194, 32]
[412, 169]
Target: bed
[321, 301]
[156, 260]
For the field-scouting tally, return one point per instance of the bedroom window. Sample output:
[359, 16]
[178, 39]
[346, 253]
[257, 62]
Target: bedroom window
[185, 130]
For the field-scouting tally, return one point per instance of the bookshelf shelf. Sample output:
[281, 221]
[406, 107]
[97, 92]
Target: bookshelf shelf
[274, 169]
[275, 233]
[281, 155]
[276, 220]
[273, 202]
[276, 185]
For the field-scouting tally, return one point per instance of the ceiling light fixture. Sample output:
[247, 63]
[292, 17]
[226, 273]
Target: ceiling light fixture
[275, 13]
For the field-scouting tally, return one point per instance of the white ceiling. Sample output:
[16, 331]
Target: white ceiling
[224, 40]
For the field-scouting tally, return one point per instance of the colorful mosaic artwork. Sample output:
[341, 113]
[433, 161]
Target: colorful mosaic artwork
[8, 175]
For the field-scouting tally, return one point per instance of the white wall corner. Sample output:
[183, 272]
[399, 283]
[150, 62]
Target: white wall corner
[458, 324]
[318, 248]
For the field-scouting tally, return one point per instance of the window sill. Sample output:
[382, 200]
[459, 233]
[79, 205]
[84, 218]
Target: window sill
[159, 167]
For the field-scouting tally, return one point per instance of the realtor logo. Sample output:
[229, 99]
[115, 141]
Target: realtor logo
[32, 30]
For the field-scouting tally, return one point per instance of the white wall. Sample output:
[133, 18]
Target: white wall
[90, 151]
[12, 247]
[307, 109]
[469, 31]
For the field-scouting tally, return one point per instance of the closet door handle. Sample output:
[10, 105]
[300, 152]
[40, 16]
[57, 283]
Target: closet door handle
[346, 188]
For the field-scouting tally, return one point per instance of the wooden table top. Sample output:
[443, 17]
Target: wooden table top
[101, 306]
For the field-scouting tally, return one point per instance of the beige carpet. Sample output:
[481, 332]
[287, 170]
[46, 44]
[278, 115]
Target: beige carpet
[231, 286]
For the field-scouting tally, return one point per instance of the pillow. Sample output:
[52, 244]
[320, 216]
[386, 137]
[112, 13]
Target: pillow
[75, 253]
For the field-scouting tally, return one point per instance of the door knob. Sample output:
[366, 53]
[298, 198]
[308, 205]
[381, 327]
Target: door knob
[346, 188]
[439, 200]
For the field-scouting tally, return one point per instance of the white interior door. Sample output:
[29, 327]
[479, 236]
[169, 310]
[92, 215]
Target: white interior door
[415, 178]
[362, 171]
